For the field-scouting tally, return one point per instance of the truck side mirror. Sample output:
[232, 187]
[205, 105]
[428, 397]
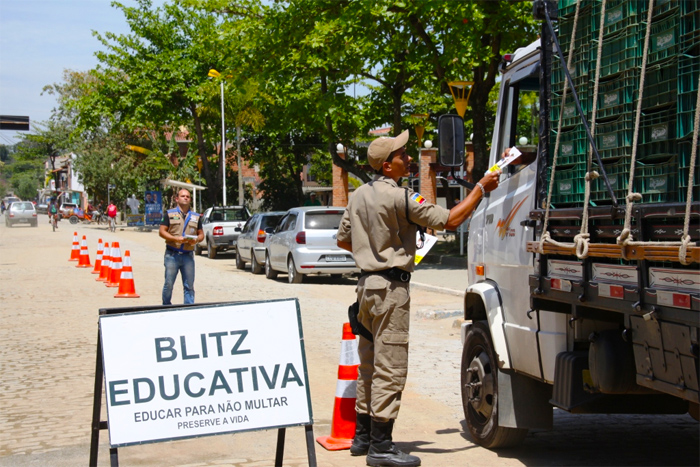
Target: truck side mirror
[451, 137]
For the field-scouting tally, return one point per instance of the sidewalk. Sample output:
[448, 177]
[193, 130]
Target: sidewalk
[442, 274]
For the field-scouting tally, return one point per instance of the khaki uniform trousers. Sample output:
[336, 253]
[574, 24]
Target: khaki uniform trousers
[385, 311]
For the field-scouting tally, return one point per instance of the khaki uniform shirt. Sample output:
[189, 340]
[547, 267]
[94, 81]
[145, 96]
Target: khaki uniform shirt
[376, 225]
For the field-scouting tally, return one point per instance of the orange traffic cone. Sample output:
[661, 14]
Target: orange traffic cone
[126, 282]
[104, 267]
[84, 257]
[115, 268]
[75, 250]
[344, 415]
[98, 258]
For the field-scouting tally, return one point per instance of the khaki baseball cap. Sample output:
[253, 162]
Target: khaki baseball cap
[380, 149]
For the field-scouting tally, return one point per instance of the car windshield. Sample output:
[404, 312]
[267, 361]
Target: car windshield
[229, 215]
[326, 220]
[269, 221]
[21, 206]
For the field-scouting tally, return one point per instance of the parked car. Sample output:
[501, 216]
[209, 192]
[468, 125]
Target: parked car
[21, 212]
[251, 241]
[304, 242]
[221, 226]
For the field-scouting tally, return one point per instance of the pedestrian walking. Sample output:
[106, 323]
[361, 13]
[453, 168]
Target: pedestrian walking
[380, 228]
[182, 229]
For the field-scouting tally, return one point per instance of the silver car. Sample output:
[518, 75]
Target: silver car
[251, 241]
[304, 242]
[21, 212]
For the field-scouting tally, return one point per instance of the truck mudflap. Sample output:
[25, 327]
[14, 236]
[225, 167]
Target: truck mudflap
[487, 293]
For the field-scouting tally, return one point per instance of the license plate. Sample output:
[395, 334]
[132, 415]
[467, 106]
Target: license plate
[335, 258]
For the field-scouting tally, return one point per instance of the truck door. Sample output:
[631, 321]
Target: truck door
[505, 231]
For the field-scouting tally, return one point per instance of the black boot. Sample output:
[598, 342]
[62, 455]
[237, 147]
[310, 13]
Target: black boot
[383, 452]
[360, 443]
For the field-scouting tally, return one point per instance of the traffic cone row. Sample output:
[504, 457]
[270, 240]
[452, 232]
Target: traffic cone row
[344, 415]
[108, 264]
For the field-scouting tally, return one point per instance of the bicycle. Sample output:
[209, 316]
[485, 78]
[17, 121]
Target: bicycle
[54, 221]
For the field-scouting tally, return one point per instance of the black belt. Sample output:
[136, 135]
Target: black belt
[394, 274]
[178, 252]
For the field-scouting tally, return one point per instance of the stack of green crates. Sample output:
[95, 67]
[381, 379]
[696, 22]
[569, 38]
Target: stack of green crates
[668, 104]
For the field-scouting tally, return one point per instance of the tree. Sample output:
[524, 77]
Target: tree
[154, 77]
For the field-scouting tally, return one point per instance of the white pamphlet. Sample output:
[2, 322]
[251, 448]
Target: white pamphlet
[427, 245]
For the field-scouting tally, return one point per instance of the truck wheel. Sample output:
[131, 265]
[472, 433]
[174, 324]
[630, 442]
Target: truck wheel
[255, 267]
[73, 219]
[293, 276]
[480, 392]
[240, 264]
[211, 250]
[197, 249]
[269, 272]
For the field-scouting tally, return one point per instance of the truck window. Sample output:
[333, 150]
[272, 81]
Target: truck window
[520, 121]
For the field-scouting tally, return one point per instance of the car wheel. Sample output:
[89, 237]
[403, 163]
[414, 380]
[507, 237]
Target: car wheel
[211, 250]
[269, 272]
[480, 392]
[35, 224]
[73, 219]
[255, 267]
[293, 276]
[240, 264]
[197, 249]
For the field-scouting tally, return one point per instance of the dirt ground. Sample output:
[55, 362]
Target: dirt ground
[47, 361]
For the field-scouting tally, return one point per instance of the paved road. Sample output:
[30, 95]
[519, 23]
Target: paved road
[47, 356]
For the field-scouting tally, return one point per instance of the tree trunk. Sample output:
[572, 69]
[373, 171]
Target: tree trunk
[202, 151]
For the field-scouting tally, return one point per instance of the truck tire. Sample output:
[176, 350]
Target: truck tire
[197, 249]
[240, 264]
[255, 267]
[73, 219]
[480, 392]
[211, 249]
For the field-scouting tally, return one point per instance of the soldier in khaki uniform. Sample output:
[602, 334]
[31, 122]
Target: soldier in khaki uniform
[182, 229]
[379, 228]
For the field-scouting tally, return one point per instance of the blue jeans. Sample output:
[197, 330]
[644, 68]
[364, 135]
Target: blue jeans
[174, 263]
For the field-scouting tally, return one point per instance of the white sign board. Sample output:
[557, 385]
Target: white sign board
[181, 373]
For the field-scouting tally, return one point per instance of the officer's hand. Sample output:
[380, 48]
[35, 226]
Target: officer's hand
[490, 180]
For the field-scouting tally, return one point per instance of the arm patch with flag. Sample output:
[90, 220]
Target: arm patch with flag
[417, 198]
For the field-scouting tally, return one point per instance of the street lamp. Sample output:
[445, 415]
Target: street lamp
[215, 74]
[458, 89]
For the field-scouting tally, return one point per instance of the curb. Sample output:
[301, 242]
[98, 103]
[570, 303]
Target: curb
[435, 288]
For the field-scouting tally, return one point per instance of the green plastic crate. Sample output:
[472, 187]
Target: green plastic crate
[688, 73]
[573, 145]
[657, 134]
[686, 113]
[664, 41]
[660, 84]
[618, 96]
[619, 14]
[684, 151]
[581, 83]
[620, 52]
[614, 138]
[569, 185]
[618, 175]
[568, 7]
[657, 183]
[571, 116]
[689, 6]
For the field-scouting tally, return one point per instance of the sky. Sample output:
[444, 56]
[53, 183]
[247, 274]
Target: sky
[41, 38]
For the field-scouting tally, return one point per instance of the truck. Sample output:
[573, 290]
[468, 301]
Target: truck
[221, 226]
[583, 288]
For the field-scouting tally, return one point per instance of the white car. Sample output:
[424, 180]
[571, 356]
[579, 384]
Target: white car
[251, 241]
[305, 242]
[221, 227]
[21, 212]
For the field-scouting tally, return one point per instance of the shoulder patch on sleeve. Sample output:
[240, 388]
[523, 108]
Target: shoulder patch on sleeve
[417, 198]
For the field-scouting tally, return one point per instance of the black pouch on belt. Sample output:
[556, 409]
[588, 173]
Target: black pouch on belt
[357, 328]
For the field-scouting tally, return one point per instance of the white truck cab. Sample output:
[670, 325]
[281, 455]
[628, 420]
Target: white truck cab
[615, 330]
